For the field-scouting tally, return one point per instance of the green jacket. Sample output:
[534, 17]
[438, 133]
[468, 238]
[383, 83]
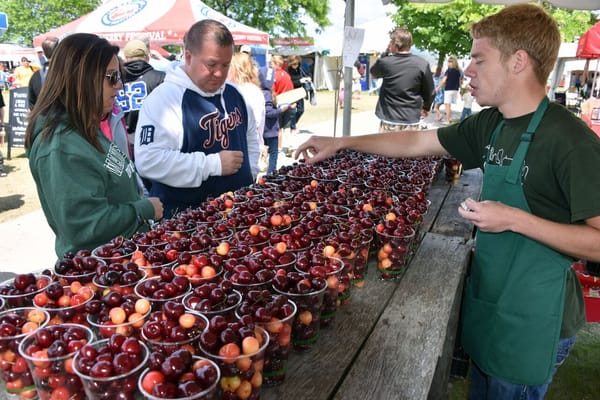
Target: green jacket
[88, 197]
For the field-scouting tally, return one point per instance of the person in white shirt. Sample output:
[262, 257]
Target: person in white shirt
[467, 99]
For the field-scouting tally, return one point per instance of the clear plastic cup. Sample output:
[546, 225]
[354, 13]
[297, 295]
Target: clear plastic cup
[118, 250]
[122, 288]
[191, 343]
[54, 376]
[394, 254]
[190, 302]
[113, 387]
[80, 268]
[15, 376]
[157, 302]
[209, 393]
[278, 350]
[105, 329]
[362, 258]
[244, 372]
[305, 329]
[70, 314]
[15, 298]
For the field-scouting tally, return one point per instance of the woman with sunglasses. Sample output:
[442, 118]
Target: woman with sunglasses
[86, 184]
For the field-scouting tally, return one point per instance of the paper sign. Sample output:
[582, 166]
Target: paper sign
[353, 40]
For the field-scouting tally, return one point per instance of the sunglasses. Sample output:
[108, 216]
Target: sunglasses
[114, 78]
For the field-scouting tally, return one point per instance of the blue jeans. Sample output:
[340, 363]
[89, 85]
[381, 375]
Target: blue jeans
[486, 387]
[273, 151]
[286, 118]
[466, 112]
[296, 116]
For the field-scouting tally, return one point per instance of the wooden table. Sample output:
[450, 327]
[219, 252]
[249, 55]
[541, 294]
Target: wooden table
[395, 339]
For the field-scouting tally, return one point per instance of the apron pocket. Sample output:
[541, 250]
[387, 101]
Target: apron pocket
[507, 344]
[477, 321]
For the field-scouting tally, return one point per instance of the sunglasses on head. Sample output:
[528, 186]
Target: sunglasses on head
[114, 77]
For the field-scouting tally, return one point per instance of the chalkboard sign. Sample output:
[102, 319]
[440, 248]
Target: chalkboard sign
[17, 119]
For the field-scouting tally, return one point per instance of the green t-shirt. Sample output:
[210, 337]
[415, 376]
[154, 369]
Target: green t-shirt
[561, 170]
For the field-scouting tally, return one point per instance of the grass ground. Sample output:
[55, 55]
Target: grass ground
[577, 379]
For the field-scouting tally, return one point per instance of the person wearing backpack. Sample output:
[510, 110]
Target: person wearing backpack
[139, 81]
[38, 77]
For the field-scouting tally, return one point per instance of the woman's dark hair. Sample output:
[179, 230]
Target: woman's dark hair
[72, 93]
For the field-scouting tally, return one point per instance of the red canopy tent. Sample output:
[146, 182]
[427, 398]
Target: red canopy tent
[589, 47]
[164, 22]
[589, 43]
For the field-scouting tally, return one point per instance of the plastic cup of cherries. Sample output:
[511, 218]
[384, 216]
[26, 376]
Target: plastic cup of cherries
[65, 303]
[163, 287]
[198, 268]
[110, 368]
[118, 277]
[307, 293]
[19, 291]
[275, 313]
[173, 328]
[119, 249]
[276, 256]
[181, 376]
[212, 299]
[49, 352]
[394, 240]
[238, 348]
[330, 269]
[114, 312]
[15, 375]
[79, 267]
[250, 274]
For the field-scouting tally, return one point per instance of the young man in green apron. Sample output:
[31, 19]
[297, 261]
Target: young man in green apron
[539, 206]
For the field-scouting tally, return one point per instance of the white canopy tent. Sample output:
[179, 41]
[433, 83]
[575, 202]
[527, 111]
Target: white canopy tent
[568, 4]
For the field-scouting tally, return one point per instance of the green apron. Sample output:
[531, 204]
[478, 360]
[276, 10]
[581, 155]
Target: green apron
[514, 297]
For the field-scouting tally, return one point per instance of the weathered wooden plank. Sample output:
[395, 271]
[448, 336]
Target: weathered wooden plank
[315, 374]
[448, 221]
[4, 276]
[399, 359]
[436, 195]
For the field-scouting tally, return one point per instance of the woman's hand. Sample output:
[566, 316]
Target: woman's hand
[158, 207]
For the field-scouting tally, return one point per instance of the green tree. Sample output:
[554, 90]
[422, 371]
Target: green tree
[277, 17]
[443, 29]
[29, 18]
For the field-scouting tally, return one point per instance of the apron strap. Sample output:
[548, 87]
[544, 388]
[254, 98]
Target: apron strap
[514, 171]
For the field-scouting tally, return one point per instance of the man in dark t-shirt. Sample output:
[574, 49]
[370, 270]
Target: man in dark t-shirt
[407, 90]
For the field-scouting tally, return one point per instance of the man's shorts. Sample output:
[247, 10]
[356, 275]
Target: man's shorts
[385, 127]
[450, 96]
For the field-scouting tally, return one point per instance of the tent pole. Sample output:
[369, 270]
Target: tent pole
[349, 21]
[595, 78]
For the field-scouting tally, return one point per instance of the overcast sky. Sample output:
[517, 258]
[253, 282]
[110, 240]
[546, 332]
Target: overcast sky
[371, 13]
